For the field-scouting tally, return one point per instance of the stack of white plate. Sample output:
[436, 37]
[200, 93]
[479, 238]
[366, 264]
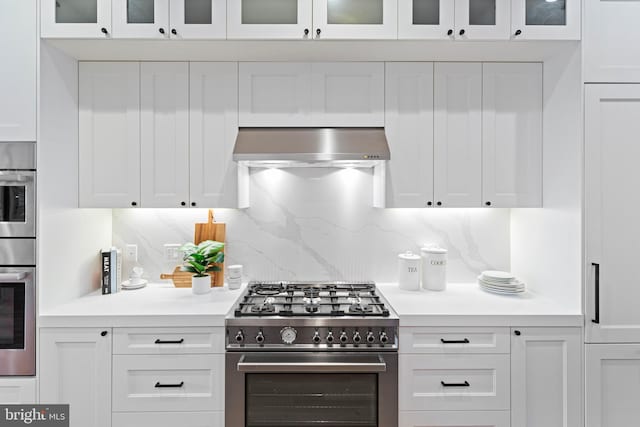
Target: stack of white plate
[500, 282]
[129, 285]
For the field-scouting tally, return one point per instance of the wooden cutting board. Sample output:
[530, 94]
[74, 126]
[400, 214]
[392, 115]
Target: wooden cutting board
[181, 279]
[216, 231]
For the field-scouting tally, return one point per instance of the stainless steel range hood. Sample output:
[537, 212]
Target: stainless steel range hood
[317, 147]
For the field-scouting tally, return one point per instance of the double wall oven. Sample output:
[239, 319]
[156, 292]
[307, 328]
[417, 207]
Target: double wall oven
[17, 258]
[309, 354]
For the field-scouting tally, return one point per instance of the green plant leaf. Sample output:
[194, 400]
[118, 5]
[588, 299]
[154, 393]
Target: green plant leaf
[188, 268]
[214, 268]
[198, 267]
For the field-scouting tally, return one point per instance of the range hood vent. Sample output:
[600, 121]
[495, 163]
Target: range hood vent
[317, 147]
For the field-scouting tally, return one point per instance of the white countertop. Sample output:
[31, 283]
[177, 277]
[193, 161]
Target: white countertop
[157, 305]
[466, 304]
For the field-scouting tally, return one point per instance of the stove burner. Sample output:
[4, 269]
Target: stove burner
[263, 308]
[311, 308]
[312, 301]
[268, 289]
[360, 308]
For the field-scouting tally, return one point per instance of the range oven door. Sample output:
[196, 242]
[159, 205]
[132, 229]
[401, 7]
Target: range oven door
[300, 389]
[17, 321]
[17, 204]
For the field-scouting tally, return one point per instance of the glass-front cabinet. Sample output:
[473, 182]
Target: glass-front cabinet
[454, 20]
[545, 19]
[198, 19]
[141, 18]
[271, 19]
[355, 19]
[75, 18]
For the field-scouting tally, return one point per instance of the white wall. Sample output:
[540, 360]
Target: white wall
[69, 238]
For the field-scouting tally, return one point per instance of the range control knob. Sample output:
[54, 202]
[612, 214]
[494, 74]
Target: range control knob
[316, 338]
[288, 335]
[330, 337]
[239, 337]
[370, 337]
[260, 337]
[343, 337]
[356, 337]
[384, 338]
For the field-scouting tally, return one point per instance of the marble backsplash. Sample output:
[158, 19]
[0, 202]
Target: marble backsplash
[318, 224]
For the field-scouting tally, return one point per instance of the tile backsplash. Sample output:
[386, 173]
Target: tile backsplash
[318, 224]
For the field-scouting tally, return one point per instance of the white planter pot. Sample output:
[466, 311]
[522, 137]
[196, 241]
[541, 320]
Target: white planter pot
[201, 285]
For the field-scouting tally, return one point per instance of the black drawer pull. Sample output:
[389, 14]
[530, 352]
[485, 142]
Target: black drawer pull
[158, 385]
[159, 341]
[596, 319]
[464, 384]
[464, 341]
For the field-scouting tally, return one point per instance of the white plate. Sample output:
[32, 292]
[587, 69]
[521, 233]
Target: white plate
[495, 291]
[514, 282]
[127, 286]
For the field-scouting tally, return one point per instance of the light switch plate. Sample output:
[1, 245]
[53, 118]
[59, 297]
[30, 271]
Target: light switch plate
[131, 253]
[172, 252]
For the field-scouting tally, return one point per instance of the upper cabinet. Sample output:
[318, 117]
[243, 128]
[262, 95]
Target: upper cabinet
[270, 19]
[140, 18]
[18, 72]
[454, 20]
[355, 19]
[75, 18]
[545, 20]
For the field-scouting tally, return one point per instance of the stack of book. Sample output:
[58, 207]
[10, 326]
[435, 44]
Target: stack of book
[111, 278]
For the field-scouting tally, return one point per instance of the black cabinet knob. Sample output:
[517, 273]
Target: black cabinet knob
[134, 203]
[306, 31]
[518, 32]
[318, 31]
[194, 204]
[449, 32]
[429, 203]
[461, 32]
[183, 203]
[161, 30]
[488, 203]
[174, 32]
[103, 333]
[517, 333]
[104, 30]
[439, 203]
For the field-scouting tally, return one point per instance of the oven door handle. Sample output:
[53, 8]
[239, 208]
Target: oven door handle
[12, 277]
[323, 367]
[19, 179]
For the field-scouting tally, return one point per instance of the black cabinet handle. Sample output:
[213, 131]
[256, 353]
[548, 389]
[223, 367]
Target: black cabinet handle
[306, 31]
[518, 32]
[134, 203]
[488, 203]
[439, 203]
[517, 333]
[464, 341]
[174, 32]
[429, 203]
[449, 32]
[183, 203]
[159, 341]
[194, 204]
[461, 32]
[103, 333]
[464, 384]
[597, 292]
[158, 385]
[318, 31]
[161, 30]
[104, 31]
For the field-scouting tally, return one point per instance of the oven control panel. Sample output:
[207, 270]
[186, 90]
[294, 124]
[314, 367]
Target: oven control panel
[310, 337]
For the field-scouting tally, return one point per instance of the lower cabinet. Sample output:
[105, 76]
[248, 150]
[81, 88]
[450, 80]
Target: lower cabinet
[75, 369]
[14, 391]
[168, 419]
[612, 385]
[454, 419]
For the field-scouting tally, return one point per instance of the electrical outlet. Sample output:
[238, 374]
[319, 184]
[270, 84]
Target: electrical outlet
[131, 253]
[172, 252]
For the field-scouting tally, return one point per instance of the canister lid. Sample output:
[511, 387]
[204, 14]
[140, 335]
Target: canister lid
[409, 255]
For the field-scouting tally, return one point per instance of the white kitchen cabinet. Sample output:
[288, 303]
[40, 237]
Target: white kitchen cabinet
[545, 20]
[612, 234]
[15, 390]
[75, 19]
[200, 19]
[546, 377]
[355, 19]
[141, 19]
[611, 41]
[311, 94]
[168, 419]
[462, 340]
[612, 385]
[457, 134]
[409, 131]
[269, 19]
[213, 124]
[75, 369]
[164, 134]
[18, 72]
[168, 340]
[454, 20]
[454, 419]
[109, 134]
[512, 135]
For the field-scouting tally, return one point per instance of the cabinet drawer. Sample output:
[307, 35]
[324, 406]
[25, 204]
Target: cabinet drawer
[168, 383]
[455, 419]
[168, 340]
[168, 419]
[454, 340]
[454, 382]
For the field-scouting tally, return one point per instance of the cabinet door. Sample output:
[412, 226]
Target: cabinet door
[347, 94]
[15, 391]
[545, 20]
[426, 19]
[482, 19]
[141, 19]
[612, 385]
[512, 135]
[168, 419]
[164, 134]
[546, 377]
[213, 123]
[409, 130]
[75, 18]
[275, 94]
[269, 19]
[612, 234]
[610, 45]
[355, 19]
[109, 134]
[75, 368]
[457, 134]
[18, 71]
[198, 19]
[455, 419]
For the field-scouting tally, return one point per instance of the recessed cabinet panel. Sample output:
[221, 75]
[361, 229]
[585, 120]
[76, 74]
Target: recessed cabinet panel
[482, 19]
[272, 19]
[543, 19]
[355, 19]
[198, 19]
[141, 19]
[358, 12]
[409, 131]
[75, 18]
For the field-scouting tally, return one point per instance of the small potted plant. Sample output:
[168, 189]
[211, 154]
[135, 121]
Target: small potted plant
[200, 259]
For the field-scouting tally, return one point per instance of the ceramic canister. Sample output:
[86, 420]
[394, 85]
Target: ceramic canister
[434, 269]
[409, 271]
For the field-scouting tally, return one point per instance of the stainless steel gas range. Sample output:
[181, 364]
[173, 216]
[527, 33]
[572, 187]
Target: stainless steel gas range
[311, 353]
